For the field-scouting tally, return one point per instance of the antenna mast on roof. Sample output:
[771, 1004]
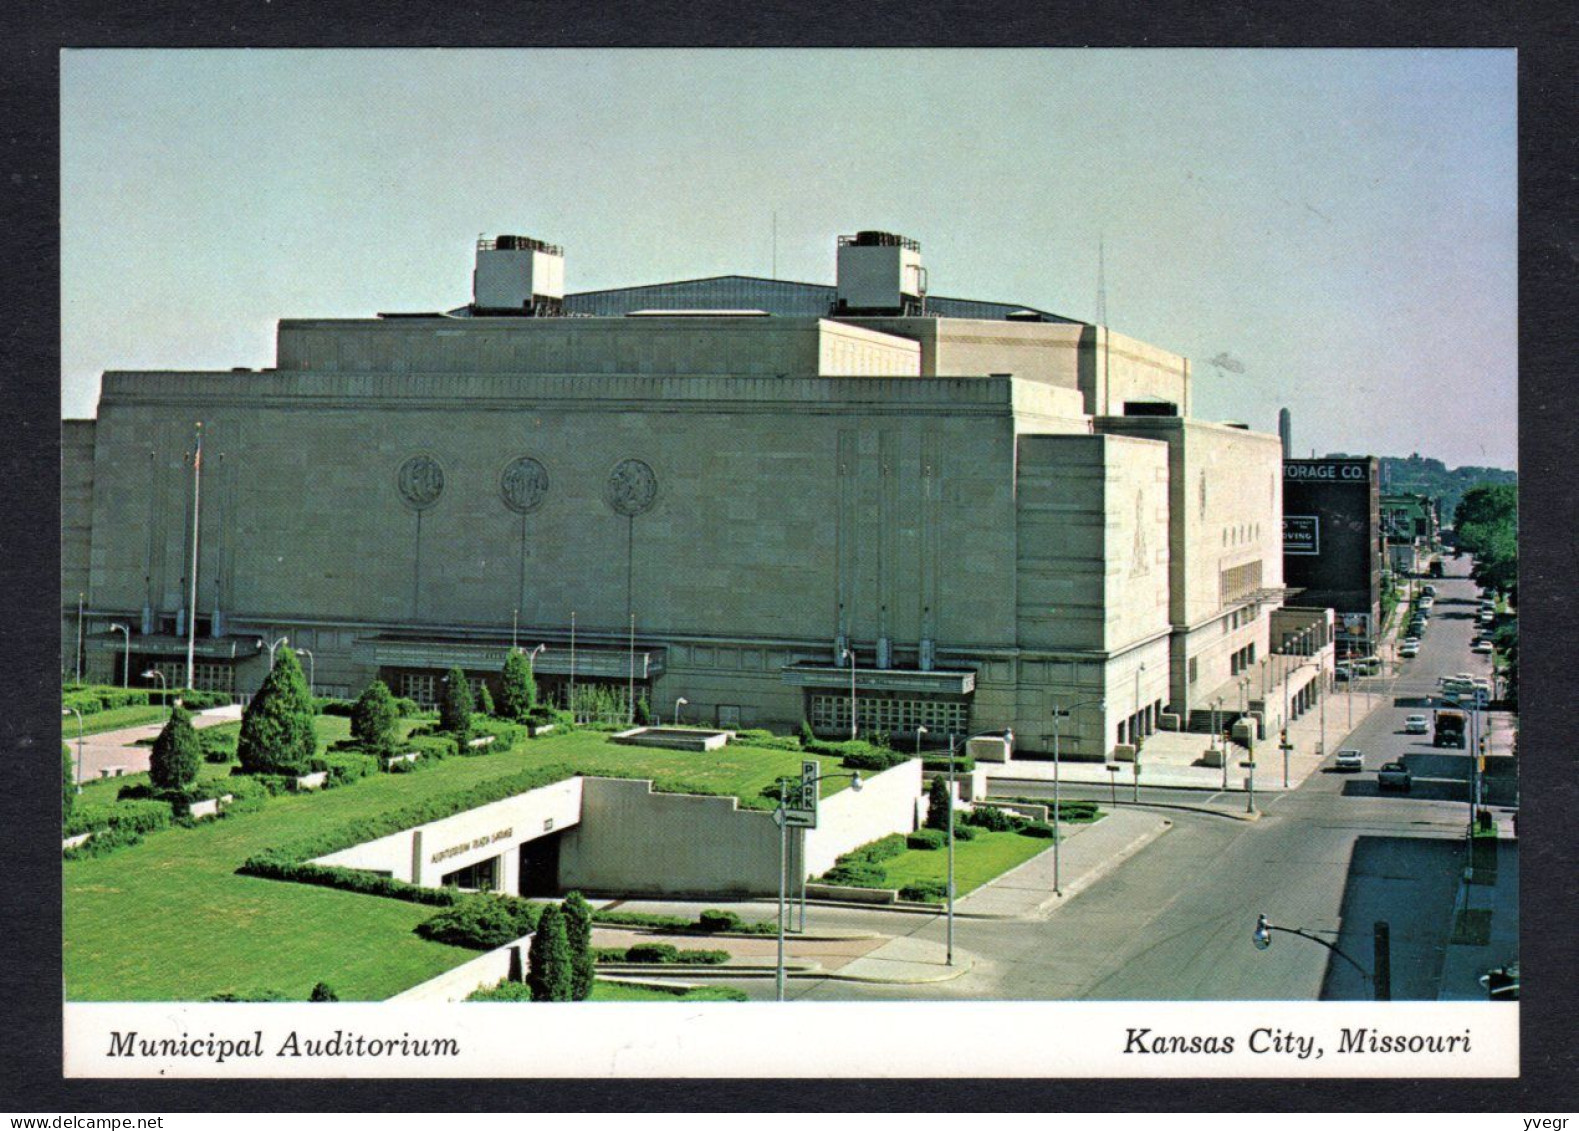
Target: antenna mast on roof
[1101, 283]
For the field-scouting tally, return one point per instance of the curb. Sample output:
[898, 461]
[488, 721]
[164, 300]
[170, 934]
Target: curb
[948, 975]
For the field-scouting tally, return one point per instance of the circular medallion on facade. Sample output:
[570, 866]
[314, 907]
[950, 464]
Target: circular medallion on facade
[421, 481]
[523, 484]
[632, 487]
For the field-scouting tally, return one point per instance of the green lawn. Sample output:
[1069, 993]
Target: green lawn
[169, 919]
[615, 991]
[984, 857]
[735, 771]
[114, 719]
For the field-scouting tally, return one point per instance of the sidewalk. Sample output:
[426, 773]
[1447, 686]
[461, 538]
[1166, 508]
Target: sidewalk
[1026, 892]
[1485, 928]
[117, 748]
[1168, 758]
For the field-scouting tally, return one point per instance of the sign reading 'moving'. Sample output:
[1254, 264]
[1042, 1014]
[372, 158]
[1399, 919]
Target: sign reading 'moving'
[1301, 534]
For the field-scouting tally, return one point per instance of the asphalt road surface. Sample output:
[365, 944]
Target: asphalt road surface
[1174, 922]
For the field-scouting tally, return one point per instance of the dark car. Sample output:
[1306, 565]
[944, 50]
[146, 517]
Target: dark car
[1393, 775]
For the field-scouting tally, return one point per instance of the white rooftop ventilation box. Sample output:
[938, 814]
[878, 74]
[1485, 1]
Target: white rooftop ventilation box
[518, 275]
[879, 272]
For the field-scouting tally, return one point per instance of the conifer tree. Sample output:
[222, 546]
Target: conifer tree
[518, 688]
[938, 798]
[549, 975]
[277, 735]
[578, 932]
[485, 701]
[68, 787]
[176, 753]
[455, 710]
[373, 719]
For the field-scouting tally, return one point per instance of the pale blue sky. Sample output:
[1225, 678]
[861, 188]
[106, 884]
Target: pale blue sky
[1343, 223]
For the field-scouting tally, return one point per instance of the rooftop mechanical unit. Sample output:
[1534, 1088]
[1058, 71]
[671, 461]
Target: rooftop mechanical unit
[880, 273]
[518, 275]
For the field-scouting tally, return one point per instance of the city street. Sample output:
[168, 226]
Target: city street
[1174, 922]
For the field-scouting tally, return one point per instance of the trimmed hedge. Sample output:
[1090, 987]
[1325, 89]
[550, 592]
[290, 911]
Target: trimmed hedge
[90, 699]
[710, 921]
[482, 922]
[1039, 829]
[924, 891]
[940, 763]
[926, 840]
[660, 954]
[271, 867]
[135, 814]
[873, 761]
[863, 867]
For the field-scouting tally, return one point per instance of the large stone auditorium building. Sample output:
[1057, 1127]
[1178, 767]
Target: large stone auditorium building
[768, 498]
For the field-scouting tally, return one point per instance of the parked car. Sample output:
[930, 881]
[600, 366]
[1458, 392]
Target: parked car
[1416, 724]
[1350, 760]
[1393, 775]
[1430, 590]
[1482, 648]
[1427, 602]
[1410, 650]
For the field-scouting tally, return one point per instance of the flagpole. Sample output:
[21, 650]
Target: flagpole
[191, 617]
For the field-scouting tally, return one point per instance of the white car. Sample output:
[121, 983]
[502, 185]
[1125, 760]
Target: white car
[1416, 724]
[1427, 602]
[1483, 648]
[1349, 760]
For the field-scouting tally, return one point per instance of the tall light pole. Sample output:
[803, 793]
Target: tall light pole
[1217, 734]
[191, 611]
[1058, 836]
[630, 689]
[920, 730]
[126, 660]
[678, 703]
[164, 686]
[572, 703]
[312, 672]
[849, 654]
[515, 629]
[74, 711]
[276, 644]
[1138, 728]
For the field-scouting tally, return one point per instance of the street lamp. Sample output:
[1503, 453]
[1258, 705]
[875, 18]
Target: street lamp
[849, 654]
[810, 784]
[1381, 983]
[1217, 733]
[312, 671]
[678, 703]
[164, 686]
[126, 662]
[276, 644]
[1059, 713]
[920, 730]
[953, 777]
[74, 711]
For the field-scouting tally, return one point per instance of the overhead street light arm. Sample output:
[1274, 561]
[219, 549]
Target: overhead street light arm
[1262, 937]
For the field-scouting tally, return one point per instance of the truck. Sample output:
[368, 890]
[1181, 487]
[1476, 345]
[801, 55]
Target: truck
[1449, 729]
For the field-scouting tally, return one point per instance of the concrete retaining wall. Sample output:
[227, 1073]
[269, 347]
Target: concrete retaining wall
[634, 841]
[885, 804]
[495, 829]
[458, 984]
[637, 842]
